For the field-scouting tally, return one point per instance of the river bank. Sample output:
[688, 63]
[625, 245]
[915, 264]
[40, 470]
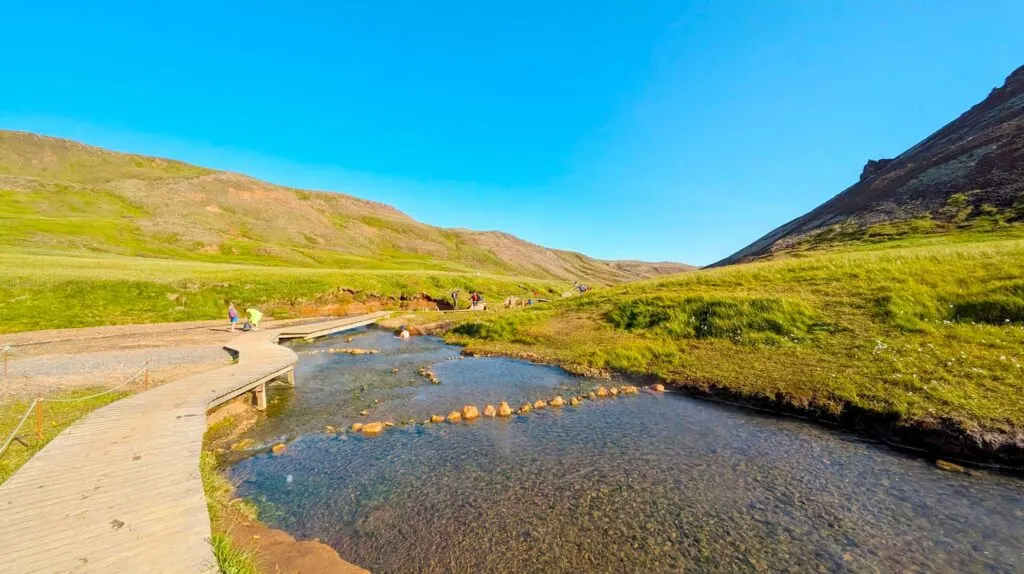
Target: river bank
[935, 437]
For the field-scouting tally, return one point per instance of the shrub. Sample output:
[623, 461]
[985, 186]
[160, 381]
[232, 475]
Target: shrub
[992, 309]
[716, 317]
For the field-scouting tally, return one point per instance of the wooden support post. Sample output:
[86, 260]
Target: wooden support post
[260, 395]
[287, 378]
[39, 418]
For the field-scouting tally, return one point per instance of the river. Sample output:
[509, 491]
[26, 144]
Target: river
[642, 483]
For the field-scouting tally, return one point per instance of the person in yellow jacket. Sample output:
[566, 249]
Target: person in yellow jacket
[254, 317]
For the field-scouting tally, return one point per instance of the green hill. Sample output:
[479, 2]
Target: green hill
[61, 196]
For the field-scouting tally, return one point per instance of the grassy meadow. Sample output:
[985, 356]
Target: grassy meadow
[920, 327]
[42, 291]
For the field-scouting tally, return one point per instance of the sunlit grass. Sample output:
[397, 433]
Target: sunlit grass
[932, 330]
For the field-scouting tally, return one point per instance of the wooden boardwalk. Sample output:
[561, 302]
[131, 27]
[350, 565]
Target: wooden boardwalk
[120, 491]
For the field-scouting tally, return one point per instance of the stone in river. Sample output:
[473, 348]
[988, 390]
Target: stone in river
[489, 411]
[525, 409]
[504, 410]
[470, 412]
[356, 427]
[591, 395]
[436, 419]
[557, 401]
[278, 448]
[602, 392]
[373, 428]
[574, 401]
[613, 391]
[539, 404]
[628, 389]
[951, 467]
[454, 417]
[658, 388]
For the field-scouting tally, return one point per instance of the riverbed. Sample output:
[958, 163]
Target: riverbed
[647, 482]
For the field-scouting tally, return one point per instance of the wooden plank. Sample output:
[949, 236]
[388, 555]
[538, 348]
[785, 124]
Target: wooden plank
[120, 490]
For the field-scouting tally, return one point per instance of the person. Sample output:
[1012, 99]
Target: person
[475, 299]
[403, 333]
[232, 316]
[254, 318]
[455, 299]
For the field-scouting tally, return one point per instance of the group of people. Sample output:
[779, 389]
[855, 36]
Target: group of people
[581, 287]
[475, 299]
[252, 321]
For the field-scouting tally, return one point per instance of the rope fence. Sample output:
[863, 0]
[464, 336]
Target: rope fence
[37, 405]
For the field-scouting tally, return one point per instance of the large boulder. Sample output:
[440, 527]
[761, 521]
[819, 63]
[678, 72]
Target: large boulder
[504, 410]
[356, 427]
[490, 411]
[454, 417]
[658, 388]
[470, 412]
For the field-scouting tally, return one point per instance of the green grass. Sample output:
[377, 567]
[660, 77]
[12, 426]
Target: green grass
[223, 511]
[42, 291]
[921, 328]
[56, 418]
[231, 559]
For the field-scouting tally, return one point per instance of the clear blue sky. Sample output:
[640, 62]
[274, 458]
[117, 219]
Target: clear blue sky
[656, 130]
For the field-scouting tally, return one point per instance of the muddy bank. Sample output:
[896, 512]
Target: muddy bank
[932, 438]
[274, 550]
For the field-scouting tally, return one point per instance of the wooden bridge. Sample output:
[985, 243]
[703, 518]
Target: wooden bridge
[120, 490]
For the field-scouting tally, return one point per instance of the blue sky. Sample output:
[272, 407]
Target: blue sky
[654, 130]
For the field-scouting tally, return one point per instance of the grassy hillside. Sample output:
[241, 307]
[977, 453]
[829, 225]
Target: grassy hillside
[59, 196]
[925, 330]
[47, 291]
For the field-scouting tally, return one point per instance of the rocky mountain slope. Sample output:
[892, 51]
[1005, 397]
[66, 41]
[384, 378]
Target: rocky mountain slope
[61, 195]
[974, 166]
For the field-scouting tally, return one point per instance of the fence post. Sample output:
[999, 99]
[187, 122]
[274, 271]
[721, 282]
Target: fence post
[39, 419]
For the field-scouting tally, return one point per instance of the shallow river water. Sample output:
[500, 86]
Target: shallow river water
[641, 483]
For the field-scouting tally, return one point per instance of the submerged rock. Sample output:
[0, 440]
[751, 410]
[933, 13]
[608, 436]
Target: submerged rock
[557, 401]
[364, 413]
[454, 417]
[436, 419]
[356, 427]
[504, 410]
[470, 412]
[244, 444]
[373, 428]
[389, 424]
[489, 411]
[950, 466]
[329, 428]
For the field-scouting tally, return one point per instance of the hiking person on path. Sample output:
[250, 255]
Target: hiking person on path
[474, 299]
[254, 318]
[232, 316]
[455, 299]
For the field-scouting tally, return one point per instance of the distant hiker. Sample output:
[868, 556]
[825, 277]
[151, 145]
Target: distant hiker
[232, 315]
[455, 299]
[475, 299]
[254, 319]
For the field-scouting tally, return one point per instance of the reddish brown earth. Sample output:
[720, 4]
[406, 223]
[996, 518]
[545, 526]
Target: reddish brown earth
[278, 551]
[980, 154]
